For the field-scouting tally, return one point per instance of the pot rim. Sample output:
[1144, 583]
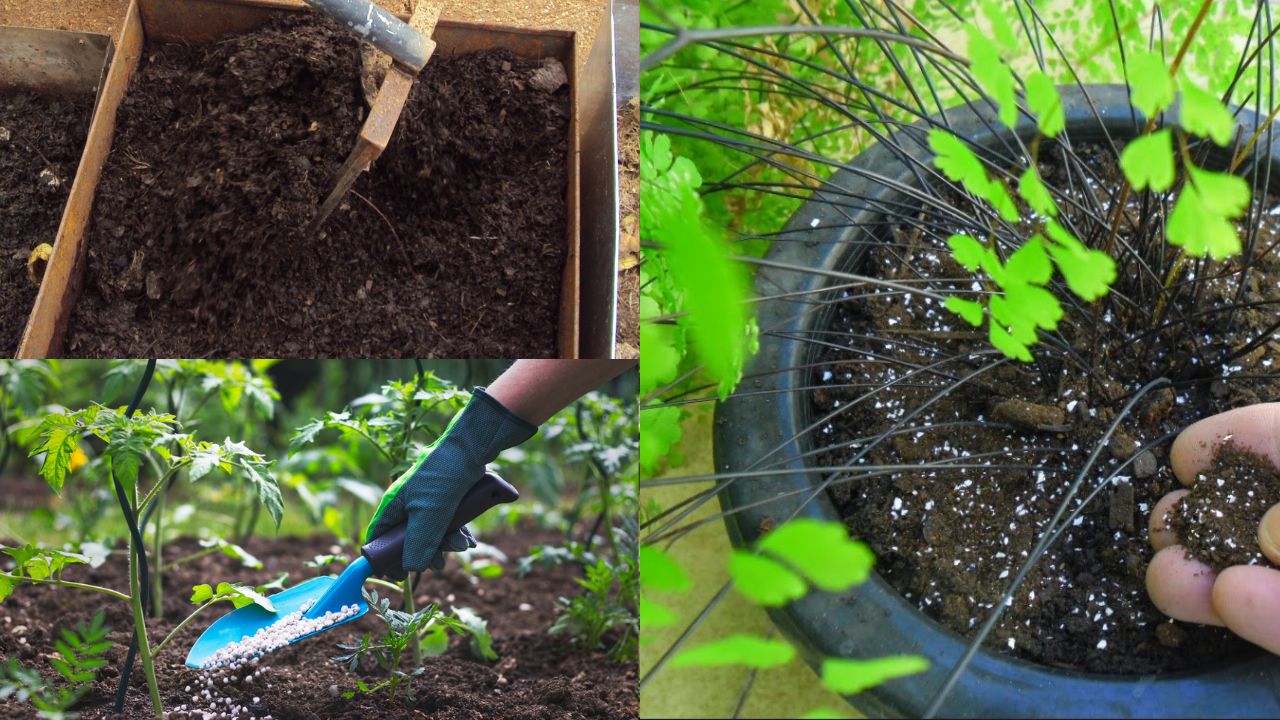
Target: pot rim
[874, 620]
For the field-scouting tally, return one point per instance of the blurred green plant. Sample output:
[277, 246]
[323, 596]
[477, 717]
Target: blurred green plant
[80, 655]
[781, 568]
[428, 628]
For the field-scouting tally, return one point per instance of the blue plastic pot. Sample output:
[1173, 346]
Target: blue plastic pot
[874, 620]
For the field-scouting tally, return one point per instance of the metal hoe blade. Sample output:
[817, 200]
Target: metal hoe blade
[385, 112]
[374, 138]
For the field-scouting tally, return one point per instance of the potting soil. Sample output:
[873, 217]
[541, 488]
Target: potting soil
[41, 138]
[452, 246]
[952, 539]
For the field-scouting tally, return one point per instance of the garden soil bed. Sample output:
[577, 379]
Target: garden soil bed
[452, 246]
[951, 540]
[41, 138]
[536, 677]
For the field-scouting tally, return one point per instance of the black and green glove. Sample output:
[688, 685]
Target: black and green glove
[427, 494]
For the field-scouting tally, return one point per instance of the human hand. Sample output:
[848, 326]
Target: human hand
[427, 495]
[1242, 598]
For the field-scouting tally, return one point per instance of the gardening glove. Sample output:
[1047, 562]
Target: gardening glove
[456, 541]
[427, 494]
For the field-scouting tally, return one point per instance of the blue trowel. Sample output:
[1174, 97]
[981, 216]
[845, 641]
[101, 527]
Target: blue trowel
[380, 556]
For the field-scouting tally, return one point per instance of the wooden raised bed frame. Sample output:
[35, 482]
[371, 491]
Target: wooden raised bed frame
[198, 21]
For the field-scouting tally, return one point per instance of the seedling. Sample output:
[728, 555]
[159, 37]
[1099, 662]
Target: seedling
[80, 656]
[608, 604]
[427, 628]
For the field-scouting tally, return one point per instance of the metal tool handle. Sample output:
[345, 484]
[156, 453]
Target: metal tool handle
[380, 29]
[385, 551]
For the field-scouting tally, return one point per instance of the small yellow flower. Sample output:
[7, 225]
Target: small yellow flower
[78, 458]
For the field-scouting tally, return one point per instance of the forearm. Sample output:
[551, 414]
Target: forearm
[537, 389]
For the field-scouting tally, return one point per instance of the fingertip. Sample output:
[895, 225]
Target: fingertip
[1158, 530]
[1182, 588]
[1269, 534]
[1246, 597]
[1256, 427]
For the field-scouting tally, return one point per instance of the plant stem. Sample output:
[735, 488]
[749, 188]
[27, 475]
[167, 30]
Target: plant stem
[68, 583]
[384, 584]
[156, 650]
[153, 492]
[140, 627]
[193, 556]
[414, 646]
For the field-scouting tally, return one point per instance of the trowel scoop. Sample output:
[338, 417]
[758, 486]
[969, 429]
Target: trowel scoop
[410, 47]
[318, 596]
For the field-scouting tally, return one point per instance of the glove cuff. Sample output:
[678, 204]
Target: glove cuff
[488, 427]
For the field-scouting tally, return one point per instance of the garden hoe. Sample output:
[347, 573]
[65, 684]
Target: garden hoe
[409, 46]
[341, 598]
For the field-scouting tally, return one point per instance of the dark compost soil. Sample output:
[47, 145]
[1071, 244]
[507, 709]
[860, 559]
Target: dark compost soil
[41, 138]
[536, 677]
[1218, 520]
[951, 539]
[452, 246]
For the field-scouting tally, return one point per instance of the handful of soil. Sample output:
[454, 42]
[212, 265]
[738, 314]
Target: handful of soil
[1218, 521]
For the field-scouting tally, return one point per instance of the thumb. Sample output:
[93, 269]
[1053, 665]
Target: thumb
[1269, 534]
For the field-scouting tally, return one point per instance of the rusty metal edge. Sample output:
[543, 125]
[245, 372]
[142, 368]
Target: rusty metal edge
[46, 327]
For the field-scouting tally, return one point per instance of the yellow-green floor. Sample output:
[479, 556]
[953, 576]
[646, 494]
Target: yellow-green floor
[788, 691]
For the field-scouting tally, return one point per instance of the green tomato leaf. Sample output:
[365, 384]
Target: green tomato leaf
[481, 639]
[204, 460]
[1151, 88]
[1148, 161]
[849, 677]
[1221, 193]
[822, 551]
[993, 76]
[59, 439]
[6, 587]
[967, 309]
[1030, 263]
[748, 650]
[1044, 101]
[967, 251]
[1203, 114]
[1032, 189]
[1199, 230]
[659, 572]
[764, 581]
